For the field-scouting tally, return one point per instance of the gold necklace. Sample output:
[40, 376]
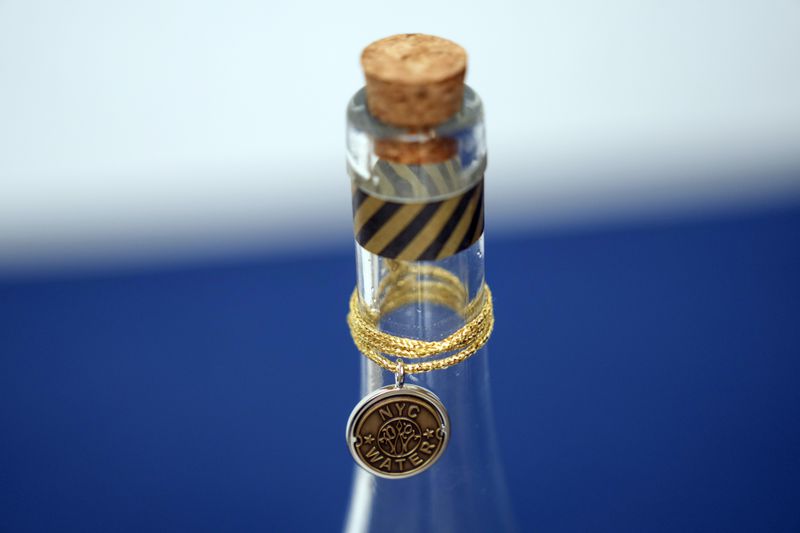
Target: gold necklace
[400, 430]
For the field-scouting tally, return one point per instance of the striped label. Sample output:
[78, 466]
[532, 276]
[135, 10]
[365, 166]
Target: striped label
[424, 231]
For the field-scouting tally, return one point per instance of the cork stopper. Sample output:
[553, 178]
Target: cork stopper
[416, 153]
[414, 80]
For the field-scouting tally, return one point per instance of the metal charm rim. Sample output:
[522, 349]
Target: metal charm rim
[387, 392]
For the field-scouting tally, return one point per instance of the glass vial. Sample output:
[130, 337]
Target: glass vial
[465, 490]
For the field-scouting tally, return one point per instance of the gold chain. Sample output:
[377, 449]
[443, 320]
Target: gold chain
[405, 284]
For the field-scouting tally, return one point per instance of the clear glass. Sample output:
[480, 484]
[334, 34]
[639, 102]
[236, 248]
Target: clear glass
[465, 490]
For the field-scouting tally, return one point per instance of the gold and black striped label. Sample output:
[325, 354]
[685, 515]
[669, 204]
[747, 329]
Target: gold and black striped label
[423, 231]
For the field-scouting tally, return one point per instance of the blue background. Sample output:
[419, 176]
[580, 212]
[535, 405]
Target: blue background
[645, 379]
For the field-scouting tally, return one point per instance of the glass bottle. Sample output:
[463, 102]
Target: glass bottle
[465, 490]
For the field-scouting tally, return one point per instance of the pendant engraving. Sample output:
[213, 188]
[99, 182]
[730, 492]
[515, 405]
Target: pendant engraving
[398, 432]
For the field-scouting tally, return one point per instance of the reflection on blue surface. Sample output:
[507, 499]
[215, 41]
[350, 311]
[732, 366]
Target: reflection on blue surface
[657, 369]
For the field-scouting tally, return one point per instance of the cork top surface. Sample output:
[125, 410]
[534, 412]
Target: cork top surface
[413, 59]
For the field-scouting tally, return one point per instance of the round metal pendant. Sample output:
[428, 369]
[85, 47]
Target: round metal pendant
[398, 432]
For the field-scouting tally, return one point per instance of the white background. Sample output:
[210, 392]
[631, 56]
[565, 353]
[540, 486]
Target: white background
[158, 130]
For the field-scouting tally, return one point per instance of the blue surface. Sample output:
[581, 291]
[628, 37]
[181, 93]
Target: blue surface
[659, 368]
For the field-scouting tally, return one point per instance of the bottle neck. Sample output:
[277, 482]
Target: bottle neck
[465, 489]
